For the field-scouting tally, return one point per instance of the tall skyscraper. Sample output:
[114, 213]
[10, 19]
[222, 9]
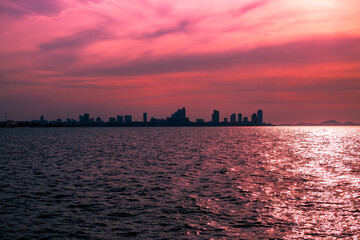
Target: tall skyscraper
[179, 114]
[246, 121]
[239, 118]
[119, 119]
[128, 119]
[233, 118]
[144, 118]
[86, 118]
[260, 120]
[178, 118]
[215, 118]
[253, 119]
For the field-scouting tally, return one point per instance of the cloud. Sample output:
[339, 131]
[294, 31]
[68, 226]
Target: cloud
[77, 40]
[20, 8]
[16, 83]
[87, 1]
[311, 85]
[248, 7]
[180, 27]
[84, 86]
[293, 53]
[65, 84]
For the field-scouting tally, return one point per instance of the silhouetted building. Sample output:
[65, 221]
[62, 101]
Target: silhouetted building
[111, 120]
[225, 120]
[128, 119]
[42, 120]
[59, 121]
[253, 119]
[86, 118]
[260, 120]
[233, 118]
[215, 118]
[154, 121]
[200, 121]
[246, 121]
[92, 120]
[179, 114]
[178, 118]
[144, 118]
[240, 118]
[119, 119]
[98, 120]
[157, 122]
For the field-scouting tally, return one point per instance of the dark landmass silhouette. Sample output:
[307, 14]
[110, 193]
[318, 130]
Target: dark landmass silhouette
[324, 123]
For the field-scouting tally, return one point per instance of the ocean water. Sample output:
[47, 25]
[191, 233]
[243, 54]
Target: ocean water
[180, 183]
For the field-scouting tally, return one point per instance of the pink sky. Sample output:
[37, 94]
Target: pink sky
[299, 61]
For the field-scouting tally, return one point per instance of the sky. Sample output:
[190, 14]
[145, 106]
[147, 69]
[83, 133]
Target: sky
[298, 61]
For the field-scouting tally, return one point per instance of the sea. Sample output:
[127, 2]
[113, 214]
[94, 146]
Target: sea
[180, 183]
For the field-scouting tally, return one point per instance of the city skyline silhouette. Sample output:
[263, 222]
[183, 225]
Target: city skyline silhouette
[178, 118]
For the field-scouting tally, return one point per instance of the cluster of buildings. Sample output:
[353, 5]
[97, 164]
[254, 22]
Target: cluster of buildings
[256, 119]
[85, 120]
[176, 119]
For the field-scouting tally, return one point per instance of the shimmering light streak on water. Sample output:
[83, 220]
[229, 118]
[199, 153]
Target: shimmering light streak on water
[326, 202]
[192, 183]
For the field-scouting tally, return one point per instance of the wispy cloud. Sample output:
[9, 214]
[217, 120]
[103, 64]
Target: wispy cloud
[19, 8]
[89, 1]
[293, 53]
[248, 7]
[181, 27]
[84, 86]
[77, 40]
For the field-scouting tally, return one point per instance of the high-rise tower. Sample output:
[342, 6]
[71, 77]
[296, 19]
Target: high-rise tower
[144, 118]
[215, 118]
[233, 118]
[240, 118]
[260, 117]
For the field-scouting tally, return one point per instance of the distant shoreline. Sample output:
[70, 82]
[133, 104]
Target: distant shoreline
[28, 124]
[121, 126]
[190, 126]
[330, 123]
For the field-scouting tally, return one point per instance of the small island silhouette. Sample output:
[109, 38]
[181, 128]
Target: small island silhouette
[324, 123]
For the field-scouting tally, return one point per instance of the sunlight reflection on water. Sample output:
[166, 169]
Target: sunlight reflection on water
[327, 201]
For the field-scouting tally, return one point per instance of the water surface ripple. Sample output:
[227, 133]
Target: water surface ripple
[180, 183]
